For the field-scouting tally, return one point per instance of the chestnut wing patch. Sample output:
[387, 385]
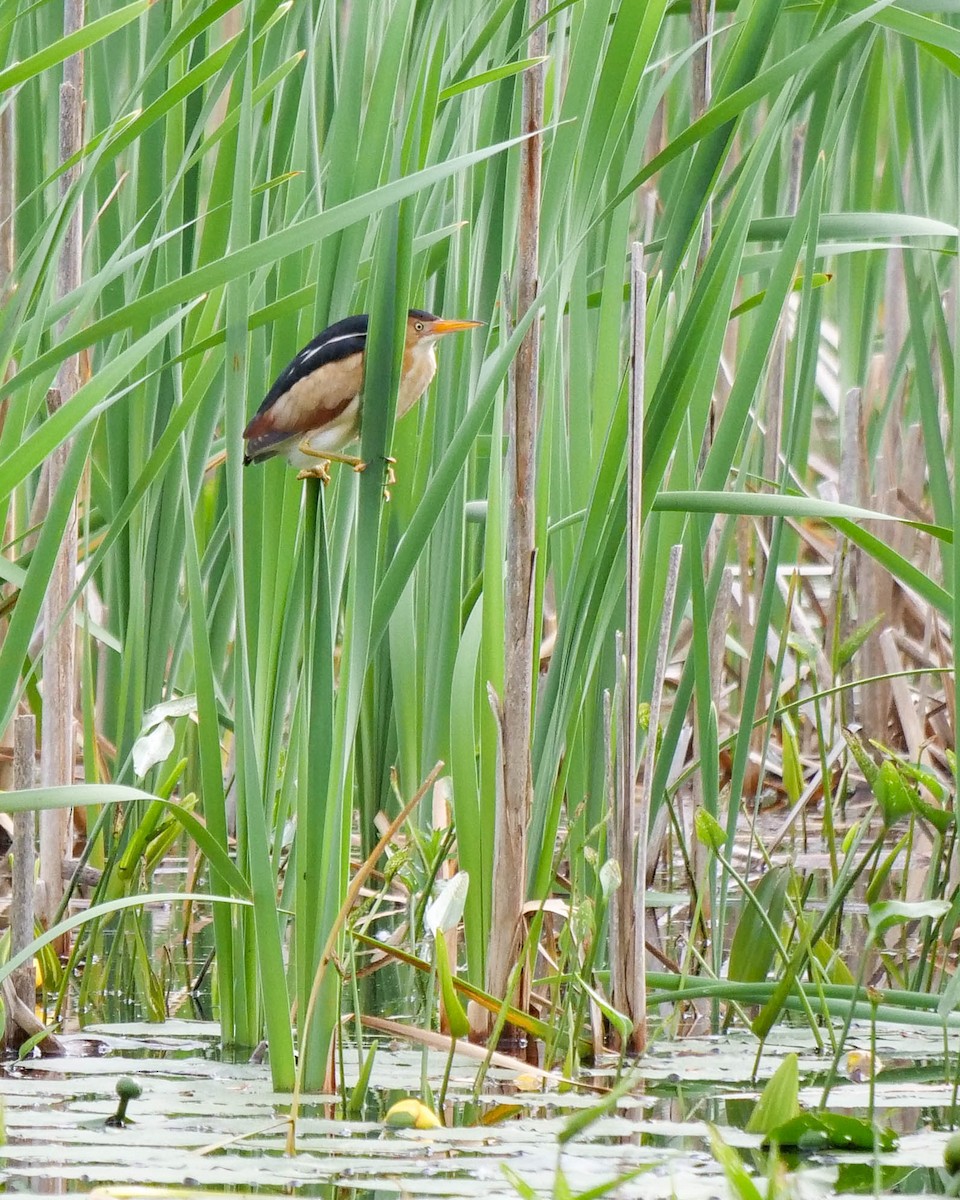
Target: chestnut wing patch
[316, 387]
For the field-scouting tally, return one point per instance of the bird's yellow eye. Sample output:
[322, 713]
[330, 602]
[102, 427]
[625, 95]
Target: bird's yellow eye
[419, 327]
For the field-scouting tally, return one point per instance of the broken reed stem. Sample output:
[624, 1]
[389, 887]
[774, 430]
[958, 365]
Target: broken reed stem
[513, 808]
[57, 740]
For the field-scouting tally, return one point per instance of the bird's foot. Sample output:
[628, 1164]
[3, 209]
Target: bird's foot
[391, 478]
[321, 471]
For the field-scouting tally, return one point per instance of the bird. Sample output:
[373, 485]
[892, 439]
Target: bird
[313, 412]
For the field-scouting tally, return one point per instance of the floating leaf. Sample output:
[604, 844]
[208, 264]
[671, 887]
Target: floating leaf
[830, 1131]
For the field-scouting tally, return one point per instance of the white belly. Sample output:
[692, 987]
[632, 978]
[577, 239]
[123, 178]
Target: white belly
[334, 437]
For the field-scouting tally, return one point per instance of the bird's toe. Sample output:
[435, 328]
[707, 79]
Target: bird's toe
[321, 472]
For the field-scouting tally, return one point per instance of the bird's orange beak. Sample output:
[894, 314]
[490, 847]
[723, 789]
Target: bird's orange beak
[453, 326]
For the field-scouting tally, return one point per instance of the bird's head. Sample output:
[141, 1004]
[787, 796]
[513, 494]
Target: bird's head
[424, 328]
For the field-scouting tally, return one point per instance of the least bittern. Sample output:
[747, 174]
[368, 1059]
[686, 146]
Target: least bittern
[313, 411]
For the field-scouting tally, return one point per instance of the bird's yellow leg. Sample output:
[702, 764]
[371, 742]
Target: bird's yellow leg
[328, 456]
[322, 470]
[331, 456]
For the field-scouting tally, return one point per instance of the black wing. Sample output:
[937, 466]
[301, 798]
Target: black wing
[336, 342]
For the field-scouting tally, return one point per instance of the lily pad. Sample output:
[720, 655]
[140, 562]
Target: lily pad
[813, 1132]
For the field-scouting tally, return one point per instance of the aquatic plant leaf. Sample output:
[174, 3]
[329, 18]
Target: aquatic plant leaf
[874, 892]
[850, 838]
[864, 761]
[940, 818]
[504, 71]
[152, 748]
[499, 1112]
[444, 912]
[779, 1100]
[817, 280]
[950, 997]
[620, 1021]
[179, 706]
[829, 958]
[517, 1181]
[708, 829]
[456, 1014]
[752, 949]
[738, 1177]
[849, 646]
[830, 1131]
[358, 1094]
[881, 917]
[610, 877]
[583, 1119]
[792, 768]
[892, 793]
[926, 778]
